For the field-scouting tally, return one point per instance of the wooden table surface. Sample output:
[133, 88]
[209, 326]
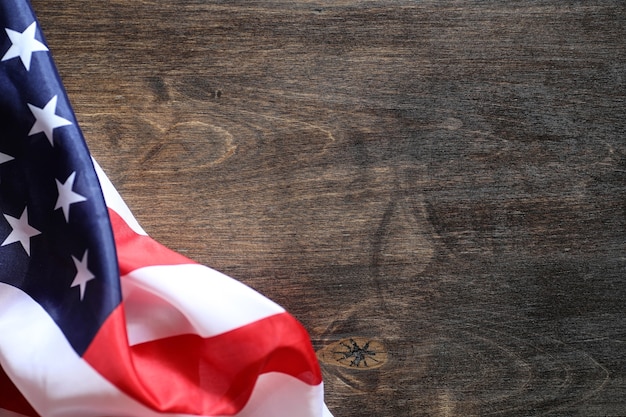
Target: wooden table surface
[445, 180]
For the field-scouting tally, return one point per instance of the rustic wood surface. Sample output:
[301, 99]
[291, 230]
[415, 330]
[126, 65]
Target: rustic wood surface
[445, 180]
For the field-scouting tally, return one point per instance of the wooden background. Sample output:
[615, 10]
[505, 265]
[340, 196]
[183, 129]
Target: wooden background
[443, 179]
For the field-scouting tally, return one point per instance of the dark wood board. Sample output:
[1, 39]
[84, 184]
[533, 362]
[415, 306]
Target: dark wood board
[445, 180]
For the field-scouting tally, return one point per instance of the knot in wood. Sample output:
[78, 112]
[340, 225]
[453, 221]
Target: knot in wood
[355, 352]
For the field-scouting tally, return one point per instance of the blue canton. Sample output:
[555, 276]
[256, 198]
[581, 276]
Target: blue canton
[56, 242]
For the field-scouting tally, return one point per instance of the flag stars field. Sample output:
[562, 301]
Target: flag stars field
[23, 45]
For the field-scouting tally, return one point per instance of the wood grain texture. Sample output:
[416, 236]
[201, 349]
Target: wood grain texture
[443, 179]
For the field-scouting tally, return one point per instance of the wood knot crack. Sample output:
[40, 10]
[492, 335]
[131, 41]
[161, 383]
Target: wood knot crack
[354, 352]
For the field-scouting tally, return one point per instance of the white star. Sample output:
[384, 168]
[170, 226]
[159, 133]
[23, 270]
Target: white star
[67, 196]
[22, 231]
[83, 275]
[47, 120]
[5, 158]
[24, 44]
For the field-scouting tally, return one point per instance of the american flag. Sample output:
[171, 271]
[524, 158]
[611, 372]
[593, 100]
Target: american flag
[98, 319]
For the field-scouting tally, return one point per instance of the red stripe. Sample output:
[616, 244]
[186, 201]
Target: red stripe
[206, 376]
[12, 399]
[136, 251]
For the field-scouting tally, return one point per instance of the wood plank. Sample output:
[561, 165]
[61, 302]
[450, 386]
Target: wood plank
[439, 186]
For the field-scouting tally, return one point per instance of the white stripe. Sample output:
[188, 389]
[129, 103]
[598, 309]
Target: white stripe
[58, 382]
[162, 301]
[114, 201]
[278, 395]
